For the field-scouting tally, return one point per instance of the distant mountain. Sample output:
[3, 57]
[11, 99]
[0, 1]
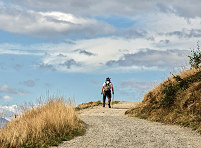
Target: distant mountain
[3, 122]
[8, 112]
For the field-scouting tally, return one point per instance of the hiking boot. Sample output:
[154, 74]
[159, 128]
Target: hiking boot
[109, 105]
[104, 105]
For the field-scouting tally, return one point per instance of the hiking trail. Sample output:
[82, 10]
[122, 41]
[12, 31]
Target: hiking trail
[111, 128]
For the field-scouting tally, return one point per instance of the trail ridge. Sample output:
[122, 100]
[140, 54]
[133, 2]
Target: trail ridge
[111, 128]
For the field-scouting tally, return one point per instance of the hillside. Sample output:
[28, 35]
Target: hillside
[175, 101]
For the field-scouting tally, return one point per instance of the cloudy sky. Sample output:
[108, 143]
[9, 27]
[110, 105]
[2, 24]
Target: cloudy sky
[68, 47]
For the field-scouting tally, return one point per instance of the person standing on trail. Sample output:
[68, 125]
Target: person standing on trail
[107, 86]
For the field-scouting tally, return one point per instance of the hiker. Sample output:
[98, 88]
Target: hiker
[107, 86]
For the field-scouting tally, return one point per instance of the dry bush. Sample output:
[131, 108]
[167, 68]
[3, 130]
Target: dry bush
[54, 118]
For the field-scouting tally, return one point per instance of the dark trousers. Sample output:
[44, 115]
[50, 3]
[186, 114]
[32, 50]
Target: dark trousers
[108, 94]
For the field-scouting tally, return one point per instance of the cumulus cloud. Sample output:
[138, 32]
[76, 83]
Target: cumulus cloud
[45, 66]
[134, 33]
[70, 63]
[165, 41]
[87, 7]
[69, 42]
[9, 111]
[12, 91]
[5, 88]
[46, 54]
[51, 24]
[184, 33]
[113, 7]
[86, 52]
[151, 58]
[61, 55]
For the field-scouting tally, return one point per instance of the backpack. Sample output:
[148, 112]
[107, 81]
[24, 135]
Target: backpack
[107, 86]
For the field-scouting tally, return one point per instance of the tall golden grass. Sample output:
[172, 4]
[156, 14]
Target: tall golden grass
[40, 126]
[186, 109]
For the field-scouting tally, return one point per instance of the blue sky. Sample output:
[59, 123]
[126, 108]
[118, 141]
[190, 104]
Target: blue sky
[68, 47]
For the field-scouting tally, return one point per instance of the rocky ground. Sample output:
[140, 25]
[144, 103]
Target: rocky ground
[110, 128]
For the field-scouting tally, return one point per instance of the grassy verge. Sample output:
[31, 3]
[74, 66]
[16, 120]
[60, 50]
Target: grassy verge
[115, 102]
[46, 125]
[92, 104]
[88, 105]
[175, 101]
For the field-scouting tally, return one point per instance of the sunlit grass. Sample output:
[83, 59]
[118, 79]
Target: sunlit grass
[185, 107]
[92, 104]
[49, 123]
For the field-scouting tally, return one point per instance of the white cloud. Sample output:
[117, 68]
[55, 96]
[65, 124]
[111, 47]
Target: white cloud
[162, 22]
[161, 27]
[187, 8]
[7, 98]
[7, 49]
[94, 7]
[107, 49]
[51, 24]
[151, 58]
[13, 91]
[12, 108]
[8, 112]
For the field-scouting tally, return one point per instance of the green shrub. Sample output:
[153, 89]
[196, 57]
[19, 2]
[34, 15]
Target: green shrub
[195, 58]
[170, 91]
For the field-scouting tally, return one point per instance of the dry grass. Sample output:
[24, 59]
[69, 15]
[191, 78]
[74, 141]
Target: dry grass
[185, 109]
[48, 124]
[92, 104]
[89, 104]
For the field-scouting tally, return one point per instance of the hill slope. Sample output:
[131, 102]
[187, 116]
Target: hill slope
[176, 100]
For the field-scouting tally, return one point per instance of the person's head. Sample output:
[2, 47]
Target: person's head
[108, 79]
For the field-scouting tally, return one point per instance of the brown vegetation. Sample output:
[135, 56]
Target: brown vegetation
[175, 101]
[92, 104]
[48, 124]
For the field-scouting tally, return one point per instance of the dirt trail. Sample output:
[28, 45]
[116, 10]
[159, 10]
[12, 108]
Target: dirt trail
[110, 128]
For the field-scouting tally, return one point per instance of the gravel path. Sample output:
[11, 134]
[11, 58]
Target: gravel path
[110, 128]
